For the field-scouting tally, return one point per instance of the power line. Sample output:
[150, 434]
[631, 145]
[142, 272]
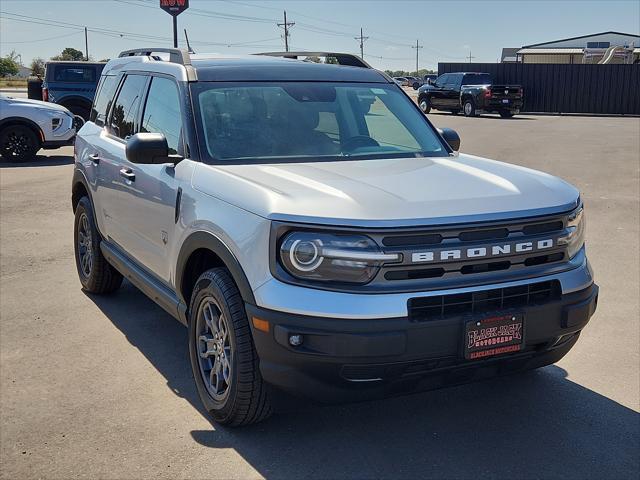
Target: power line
[362, 40]
[286, 26]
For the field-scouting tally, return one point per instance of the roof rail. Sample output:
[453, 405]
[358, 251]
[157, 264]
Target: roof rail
[176, 55]
[345, 59]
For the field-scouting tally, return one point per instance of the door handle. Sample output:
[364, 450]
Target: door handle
[95, 158]
[128, 174]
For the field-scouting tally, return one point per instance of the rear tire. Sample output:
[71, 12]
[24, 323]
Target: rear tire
[424, 105]
[469, 107]
[96, 274]
[223, 357]
[506, 114]
[18, 143]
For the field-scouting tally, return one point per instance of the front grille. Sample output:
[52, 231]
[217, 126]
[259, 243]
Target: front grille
[444, 306]
[464, 269]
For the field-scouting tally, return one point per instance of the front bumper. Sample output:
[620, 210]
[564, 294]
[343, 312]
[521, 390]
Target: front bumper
[354, 359]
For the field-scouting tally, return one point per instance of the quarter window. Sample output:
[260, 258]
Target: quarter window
[162, 112]
[124, 113]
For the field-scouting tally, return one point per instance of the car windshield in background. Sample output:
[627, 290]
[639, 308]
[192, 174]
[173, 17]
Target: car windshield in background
[269, 122]
[477, 79]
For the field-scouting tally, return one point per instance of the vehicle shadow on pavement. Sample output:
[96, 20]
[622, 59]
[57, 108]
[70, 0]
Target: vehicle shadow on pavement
[40, 161]
[534, 425]
[485, 116]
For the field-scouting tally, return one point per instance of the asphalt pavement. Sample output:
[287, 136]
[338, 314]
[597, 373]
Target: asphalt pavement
[100, 387]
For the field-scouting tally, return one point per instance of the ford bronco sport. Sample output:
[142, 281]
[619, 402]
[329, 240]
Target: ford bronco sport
[317, 234]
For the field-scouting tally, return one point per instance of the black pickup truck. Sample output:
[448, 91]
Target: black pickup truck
[471, 93]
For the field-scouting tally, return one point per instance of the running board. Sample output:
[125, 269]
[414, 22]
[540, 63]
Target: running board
[144, 281]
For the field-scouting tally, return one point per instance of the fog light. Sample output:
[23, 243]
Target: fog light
[295, 340]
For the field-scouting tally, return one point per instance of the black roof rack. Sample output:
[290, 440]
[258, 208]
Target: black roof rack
[176, 55]
[345, 59]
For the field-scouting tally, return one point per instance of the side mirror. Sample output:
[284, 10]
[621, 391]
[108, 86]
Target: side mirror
[451, 137]
[149, 148]
[430, 81]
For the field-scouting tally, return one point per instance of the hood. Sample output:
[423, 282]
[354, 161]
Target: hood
[25, 102]
[411, 191]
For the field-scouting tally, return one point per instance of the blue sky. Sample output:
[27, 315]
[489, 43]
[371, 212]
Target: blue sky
[448, 29]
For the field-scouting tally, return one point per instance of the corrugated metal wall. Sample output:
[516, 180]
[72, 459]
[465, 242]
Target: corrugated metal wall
[605, 89]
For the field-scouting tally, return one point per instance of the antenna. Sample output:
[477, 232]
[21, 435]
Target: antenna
[189, 49]
[286, 26]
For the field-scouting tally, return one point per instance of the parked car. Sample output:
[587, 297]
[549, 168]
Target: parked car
[319, 236]
[471, 93]
[402, 81]
[414, 82]
[26, 126]
[429, 78]
[72, 85]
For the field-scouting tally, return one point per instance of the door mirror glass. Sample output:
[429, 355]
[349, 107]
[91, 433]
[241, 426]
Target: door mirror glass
[149, 148]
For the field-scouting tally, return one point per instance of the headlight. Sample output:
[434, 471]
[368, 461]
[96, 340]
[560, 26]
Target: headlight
[574, 240]
[327, 257]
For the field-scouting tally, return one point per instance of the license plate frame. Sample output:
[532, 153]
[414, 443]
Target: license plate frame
[493, 335]
[505, 100]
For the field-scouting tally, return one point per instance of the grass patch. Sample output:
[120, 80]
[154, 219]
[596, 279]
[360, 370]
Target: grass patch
[13, 83]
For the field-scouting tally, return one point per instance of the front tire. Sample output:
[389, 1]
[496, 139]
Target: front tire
[469, 107]
[18, 143]
[424, 105]
[223, 357]
[96, 274]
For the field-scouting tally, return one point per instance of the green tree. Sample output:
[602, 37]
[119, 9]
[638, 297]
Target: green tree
[69, 54]
[37, 67]
[8, 67]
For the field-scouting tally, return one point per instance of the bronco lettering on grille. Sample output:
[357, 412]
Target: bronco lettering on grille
[481, 252]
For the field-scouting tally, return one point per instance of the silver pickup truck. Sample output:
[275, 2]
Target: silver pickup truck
[317, 234]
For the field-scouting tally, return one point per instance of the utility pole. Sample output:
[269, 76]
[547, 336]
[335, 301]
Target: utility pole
[362, 39]
[86, 44]
[470, 57]
[417, 47]
[286, 26]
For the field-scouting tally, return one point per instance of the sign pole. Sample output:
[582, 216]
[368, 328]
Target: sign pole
[174, 8]
[175, 31]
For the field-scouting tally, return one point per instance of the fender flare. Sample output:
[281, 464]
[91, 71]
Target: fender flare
[78, 177]
[209, 241]
[23, 121]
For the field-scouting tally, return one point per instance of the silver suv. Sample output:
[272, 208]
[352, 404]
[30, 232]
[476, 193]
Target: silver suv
[317, 234]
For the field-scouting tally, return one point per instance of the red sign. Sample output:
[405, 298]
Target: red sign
[174, 7]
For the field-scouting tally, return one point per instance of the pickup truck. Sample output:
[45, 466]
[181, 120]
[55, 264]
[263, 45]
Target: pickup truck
[471, 93]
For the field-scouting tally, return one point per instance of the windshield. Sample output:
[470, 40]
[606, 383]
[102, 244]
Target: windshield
[305, 121]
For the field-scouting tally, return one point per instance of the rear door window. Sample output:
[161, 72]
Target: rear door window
[124, 113]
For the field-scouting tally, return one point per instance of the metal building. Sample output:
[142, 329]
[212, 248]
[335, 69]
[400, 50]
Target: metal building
[605, 47]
